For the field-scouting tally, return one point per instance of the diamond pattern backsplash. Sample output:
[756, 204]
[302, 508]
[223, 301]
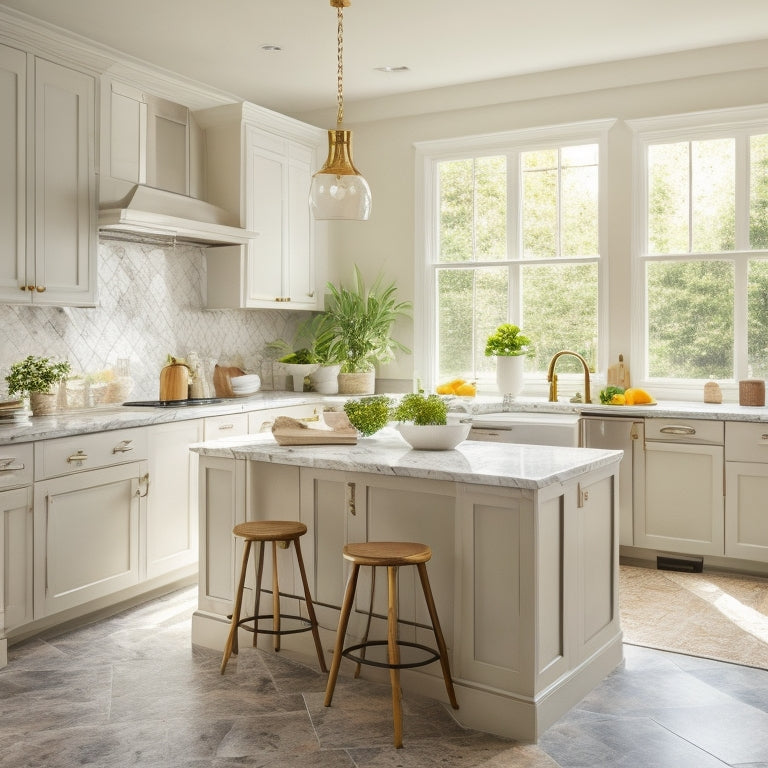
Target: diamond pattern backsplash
[150, 305]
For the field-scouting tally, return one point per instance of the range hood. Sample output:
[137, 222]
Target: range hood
[147, 214]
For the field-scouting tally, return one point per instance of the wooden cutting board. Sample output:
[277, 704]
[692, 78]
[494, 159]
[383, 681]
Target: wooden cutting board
[222, 379]
[618, 374]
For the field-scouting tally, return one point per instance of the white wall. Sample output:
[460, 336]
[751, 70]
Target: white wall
[726, 76]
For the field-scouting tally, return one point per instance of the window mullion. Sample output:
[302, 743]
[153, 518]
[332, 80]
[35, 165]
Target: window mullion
[742, 192]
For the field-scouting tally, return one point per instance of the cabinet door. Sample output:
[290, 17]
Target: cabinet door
[301, 240]
[683, 499]
[13, 185]
[746, 511]
[266, 213]
[172, 530]
[15, 558]
[87, 535]
[64, 268]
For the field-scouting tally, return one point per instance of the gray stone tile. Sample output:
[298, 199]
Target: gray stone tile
[622, 743]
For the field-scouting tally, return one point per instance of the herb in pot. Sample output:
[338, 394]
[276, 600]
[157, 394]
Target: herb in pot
[35, 374]
[368, 414]
[421, 409]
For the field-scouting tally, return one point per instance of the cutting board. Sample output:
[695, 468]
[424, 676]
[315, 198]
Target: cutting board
[618, 374]
[222, 376]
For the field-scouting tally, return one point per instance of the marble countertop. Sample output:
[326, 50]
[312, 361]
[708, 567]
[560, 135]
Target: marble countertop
[121, 417]
[387, 453]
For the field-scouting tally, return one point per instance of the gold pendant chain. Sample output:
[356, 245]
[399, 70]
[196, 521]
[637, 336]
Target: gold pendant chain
[340, 66]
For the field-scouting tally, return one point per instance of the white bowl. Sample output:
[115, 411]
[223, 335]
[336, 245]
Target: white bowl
[433, 437]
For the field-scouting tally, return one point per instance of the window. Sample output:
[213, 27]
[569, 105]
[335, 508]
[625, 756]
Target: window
[702, 250]
[511, 233]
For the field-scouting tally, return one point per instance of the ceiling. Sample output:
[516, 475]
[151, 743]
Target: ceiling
[443, 42]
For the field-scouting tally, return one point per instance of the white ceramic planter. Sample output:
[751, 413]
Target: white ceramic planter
[509, 374]
[299, 371]
[325, 380]
[433, 437]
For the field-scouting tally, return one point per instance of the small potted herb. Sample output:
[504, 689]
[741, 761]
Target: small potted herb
[36, 377]
[423, 423]
[368, 414]
[509, 346]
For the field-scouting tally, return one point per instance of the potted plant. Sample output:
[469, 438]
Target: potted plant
[361, 319]
[424, 423]
[368, 414]
[35, 377]
[311, 353]
[509, 346]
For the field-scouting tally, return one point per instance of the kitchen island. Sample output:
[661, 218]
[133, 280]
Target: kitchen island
[524, 567]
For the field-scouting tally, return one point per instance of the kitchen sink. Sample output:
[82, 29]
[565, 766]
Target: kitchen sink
[527, 428]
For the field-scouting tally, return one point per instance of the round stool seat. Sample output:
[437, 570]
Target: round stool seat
[389, 553]
[270, 530]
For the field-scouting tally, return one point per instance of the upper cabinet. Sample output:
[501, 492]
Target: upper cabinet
[47, 183]
[259, 164]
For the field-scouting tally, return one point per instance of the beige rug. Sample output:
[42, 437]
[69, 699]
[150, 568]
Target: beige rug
[714, 615]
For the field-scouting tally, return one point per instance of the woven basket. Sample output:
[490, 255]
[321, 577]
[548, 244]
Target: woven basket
[357, 383]
[752, 392]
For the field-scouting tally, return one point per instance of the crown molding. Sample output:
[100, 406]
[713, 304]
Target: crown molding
[18, 30]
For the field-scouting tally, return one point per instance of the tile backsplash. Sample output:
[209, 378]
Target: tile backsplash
[150, 305]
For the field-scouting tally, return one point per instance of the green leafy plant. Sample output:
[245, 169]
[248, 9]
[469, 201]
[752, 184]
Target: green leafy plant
[368, 414]
[35, 374]
[507, 341]
[421, 409]
[312, 343]
[361, 320]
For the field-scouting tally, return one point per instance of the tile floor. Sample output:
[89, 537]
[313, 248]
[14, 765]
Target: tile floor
[131, 691]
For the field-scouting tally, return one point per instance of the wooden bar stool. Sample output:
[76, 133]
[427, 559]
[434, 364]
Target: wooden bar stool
[391, 554]
[281, 533]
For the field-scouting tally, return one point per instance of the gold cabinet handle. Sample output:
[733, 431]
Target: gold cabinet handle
[40, 288]
[226, 426]
[77, 458]
[351, 499]
[9, 465]
[123, 447]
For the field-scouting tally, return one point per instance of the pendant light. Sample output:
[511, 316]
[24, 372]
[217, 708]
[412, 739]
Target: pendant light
[338, 189]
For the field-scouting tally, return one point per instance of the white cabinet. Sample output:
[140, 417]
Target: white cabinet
[89, 503]
[231, 425]
[50, 256]
[16, 599]
[746, 500]
[259, 165]
[171, 529]
[684, 506]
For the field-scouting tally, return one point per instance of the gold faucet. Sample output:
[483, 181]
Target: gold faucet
[552, 376]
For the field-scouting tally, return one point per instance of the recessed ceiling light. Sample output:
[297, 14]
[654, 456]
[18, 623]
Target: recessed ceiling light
[271, 48]
[390, 68]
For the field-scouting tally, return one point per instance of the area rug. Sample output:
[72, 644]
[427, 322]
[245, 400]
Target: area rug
[713, 615]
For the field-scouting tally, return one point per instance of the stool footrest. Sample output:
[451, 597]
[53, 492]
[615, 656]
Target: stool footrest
[307, 624]
[350, 654]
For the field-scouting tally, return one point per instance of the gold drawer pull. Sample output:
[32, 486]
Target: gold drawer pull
[8, 465]
[123, 447]
[77, 457]
[226, 426]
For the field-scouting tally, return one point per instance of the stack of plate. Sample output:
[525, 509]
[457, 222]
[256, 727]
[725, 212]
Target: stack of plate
[12, 413]
[245, 385]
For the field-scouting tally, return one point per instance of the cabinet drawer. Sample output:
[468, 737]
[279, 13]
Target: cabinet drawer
[697, 431]
[65, 455]
[16, 465]
[225, 426]
[746, 441]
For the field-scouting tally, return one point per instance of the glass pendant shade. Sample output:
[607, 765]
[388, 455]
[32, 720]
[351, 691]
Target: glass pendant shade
[338, 189]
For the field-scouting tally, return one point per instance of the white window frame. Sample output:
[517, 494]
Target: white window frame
[428, 155]
[694, 126]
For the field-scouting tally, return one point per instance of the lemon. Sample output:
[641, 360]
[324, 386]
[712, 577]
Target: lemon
[618, 400]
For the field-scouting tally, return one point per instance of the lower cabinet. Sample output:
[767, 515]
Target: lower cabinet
[171, 523]
[86, 542]
[16, 599]
[746, 482]
[684, 507]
